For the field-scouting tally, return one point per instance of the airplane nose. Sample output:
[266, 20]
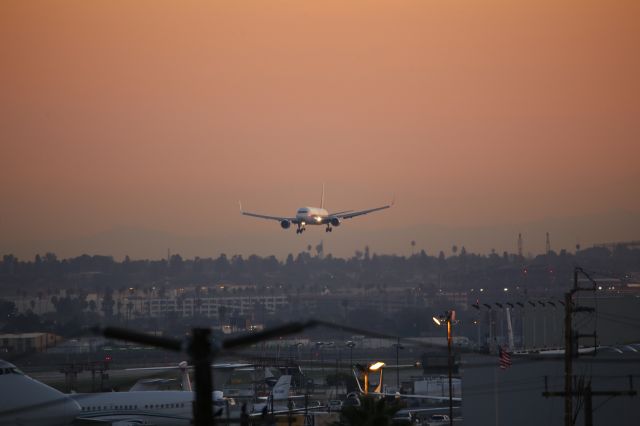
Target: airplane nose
[64, 413]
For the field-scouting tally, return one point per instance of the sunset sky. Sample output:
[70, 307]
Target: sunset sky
[129, 126]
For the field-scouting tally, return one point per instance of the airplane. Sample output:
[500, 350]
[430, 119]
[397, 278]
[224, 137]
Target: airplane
[278, 398]
[280, 402]
[185, 381]
[26, 401]
[315, 216]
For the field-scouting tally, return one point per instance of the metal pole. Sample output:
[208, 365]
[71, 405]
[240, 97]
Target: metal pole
[397, 364]
[588, 406]
[336, 376]
[450, 371]
[568, 349]
[200, 350]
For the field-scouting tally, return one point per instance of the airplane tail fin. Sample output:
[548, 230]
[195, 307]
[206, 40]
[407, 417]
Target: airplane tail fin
[358, 381]
[322, 198]
[184, 372]
[281, 389]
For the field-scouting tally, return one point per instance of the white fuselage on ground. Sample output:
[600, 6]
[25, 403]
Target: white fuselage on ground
[150, 407]
[312, 216]
[28, 402]
[25, 401]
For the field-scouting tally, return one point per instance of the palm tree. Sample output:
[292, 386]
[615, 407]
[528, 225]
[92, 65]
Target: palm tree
[371, 412]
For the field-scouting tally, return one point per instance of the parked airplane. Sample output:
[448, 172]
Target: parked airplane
[26, 401]
[315, 216]
[185, 381]
[278, 398]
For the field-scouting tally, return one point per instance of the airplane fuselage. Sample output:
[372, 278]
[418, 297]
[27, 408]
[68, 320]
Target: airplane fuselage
[312, 216]
[152, 407]
[25, 401]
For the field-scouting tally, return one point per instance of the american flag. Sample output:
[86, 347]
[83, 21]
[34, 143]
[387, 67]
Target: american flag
[505, 358]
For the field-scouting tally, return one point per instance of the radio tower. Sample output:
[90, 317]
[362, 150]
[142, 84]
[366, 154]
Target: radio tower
[520, 246]
[548, 244]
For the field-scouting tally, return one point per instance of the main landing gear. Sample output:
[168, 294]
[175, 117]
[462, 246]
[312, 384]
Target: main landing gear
[328, 229]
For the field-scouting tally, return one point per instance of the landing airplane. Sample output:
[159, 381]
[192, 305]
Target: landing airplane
[315, 216]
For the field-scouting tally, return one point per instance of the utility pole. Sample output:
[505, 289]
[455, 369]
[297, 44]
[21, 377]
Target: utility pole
[568, 358]
[571, 346]
[587, 394]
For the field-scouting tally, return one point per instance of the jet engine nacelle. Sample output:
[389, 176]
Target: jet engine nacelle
[285, 224]
[335, 221]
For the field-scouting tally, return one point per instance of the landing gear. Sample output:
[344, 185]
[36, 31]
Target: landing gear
[300, 229]
[328, 229]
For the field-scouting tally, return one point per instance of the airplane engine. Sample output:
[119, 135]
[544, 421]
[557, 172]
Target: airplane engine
[335, 221]
[285, 224]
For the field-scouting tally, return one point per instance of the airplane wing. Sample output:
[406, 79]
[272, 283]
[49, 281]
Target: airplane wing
[431, 397]
[263, 216]
[132, 421]
[221, 366]
[349, 214]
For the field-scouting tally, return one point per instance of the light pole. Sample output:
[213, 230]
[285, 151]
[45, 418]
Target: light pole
[320, 345]
[350, 344]
[398, 346]
[448, 317]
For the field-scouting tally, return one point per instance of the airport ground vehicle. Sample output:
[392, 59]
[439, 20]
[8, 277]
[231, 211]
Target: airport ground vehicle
[334, 405]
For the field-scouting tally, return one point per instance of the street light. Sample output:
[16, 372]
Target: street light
[294, 356]
[350, 344]
[376, 366]
[320, 345]
[448, 317]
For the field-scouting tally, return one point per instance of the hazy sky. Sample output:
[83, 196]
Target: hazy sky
[161, 115]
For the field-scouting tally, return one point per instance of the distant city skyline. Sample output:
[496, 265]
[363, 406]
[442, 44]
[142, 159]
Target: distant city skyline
[141, 243]
[484, 119]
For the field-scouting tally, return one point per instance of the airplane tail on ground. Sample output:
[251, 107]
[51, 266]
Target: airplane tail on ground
[184, 375]
[358, 381]
[280, 390]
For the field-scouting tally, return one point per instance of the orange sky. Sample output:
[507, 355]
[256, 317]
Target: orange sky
[160, 115]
